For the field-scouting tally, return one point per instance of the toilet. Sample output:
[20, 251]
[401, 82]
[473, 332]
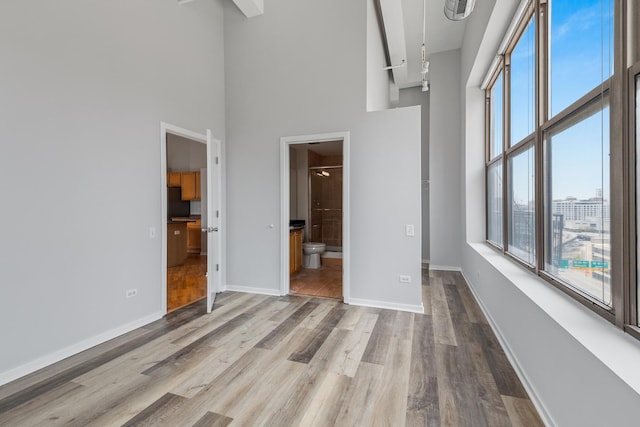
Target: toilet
[312, 251]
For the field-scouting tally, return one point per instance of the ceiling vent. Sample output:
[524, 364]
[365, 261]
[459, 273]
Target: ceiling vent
[457, 10]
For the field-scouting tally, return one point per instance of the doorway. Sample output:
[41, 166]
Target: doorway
[315, 215]
[191, 205]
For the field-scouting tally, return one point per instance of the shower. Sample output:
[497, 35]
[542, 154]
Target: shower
[325, 208]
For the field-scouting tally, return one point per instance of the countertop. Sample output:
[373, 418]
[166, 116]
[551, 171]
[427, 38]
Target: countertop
[296, 227]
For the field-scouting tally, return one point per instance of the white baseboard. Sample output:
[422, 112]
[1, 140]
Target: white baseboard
[444, 268]
[335, 255]
[252, 290]
[388, 305]
[425, 261]
[49, 359]
[533, 396]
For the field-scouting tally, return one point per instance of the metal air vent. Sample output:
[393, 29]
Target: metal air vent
[457, 10]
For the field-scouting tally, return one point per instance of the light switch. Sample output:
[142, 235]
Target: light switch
[410, 230]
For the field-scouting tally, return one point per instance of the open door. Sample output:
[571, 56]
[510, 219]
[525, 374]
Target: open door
[211, 228]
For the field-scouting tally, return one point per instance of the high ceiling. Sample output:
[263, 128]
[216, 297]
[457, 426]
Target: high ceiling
[441, 35]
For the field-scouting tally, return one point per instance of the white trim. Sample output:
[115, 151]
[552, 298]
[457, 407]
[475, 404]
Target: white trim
[253, 290]
[524, 379]
[56, 356]
[285, 142]
[185, 133]
[425, 261]
[444, 268]
[411, 308]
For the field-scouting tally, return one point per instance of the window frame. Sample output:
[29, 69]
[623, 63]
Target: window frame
[619, 88]
[631, 207]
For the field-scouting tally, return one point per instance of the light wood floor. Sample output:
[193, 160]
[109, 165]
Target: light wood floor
[287, 361]
[325, 281]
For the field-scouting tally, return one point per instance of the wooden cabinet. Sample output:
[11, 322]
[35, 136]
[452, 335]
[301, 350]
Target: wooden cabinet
[173, 179]
[295, 251]
[189, 182]
[176, 244]
[198, 187]
[194, 236]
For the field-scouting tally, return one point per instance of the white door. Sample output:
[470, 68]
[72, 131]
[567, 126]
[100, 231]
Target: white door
[213, 216]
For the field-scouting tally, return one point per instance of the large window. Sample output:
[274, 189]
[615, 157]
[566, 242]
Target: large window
[523, 85]
[495, 137]
[558, 101]
[581, 47]
[522, 218]
[577, 184]
[494, 203]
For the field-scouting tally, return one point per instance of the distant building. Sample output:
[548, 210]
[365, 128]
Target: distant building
[585, 211]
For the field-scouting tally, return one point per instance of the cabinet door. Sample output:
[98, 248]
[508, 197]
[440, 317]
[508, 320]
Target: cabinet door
[188, 184]
[173, 179]
[292, 253]
[194, 236]
[198, 190]
[298, 249]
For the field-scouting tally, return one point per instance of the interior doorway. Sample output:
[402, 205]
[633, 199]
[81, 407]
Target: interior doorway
[191, 204]
[315, 215]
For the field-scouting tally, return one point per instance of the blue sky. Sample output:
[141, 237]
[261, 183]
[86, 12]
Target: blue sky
[581, 58]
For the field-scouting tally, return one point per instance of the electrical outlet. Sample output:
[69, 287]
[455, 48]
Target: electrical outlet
[131, 293]
[410, 230]
[405, 279]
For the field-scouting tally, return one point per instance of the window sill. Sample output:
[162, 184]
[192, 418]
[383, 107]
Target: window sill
[619, 351]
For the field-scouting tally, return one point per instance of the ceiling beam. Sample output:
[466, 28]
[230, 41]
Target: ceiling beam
[250, 8]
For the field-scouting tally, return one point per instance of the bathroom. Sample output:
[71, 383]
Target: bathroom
[316, 208]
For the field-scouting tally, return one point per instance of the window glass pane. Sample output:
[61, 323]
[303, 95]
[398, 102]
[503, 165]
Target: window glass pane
[494, 202]
[581, 49]
[523, 85]
[522, 206]
[577, 236]
[638, 182]
[496, 118]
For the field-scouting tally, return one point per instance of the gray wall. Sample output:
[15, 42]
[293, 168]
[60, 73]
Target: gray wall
[581, 370]
[415, 96]
[312, 79]
[445, 163]
[84, 86]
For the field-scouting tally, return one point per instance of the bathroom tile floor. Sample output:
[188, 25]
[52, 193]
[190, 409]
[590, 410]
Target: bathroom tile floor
[325, 281]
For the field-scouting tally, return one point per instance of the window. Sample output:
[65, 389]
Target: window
[558, 99]
[522, 206]
[578, 222]
[523, 85]
[581, 48]
[496, 118]
[636, 140]
[494, 203]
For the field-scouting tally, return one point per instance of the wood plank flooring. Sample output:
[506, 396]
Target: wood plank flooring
[287, 361]
[187, 283]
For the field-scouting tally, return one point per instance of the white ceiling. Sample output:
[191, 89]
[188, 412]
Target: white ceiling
[441, 35]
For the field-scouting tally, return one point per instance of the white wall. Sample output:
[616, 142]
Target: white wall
[444, 159]
[185, 155]
[84, 86]
[311, 79]
[378, 80]
[580, 369]
[415, 96]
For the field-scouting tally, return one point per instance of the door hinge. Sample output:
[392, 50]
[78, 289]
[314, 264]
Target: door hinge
[217, 267]
[217, 214]
[217, 160]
